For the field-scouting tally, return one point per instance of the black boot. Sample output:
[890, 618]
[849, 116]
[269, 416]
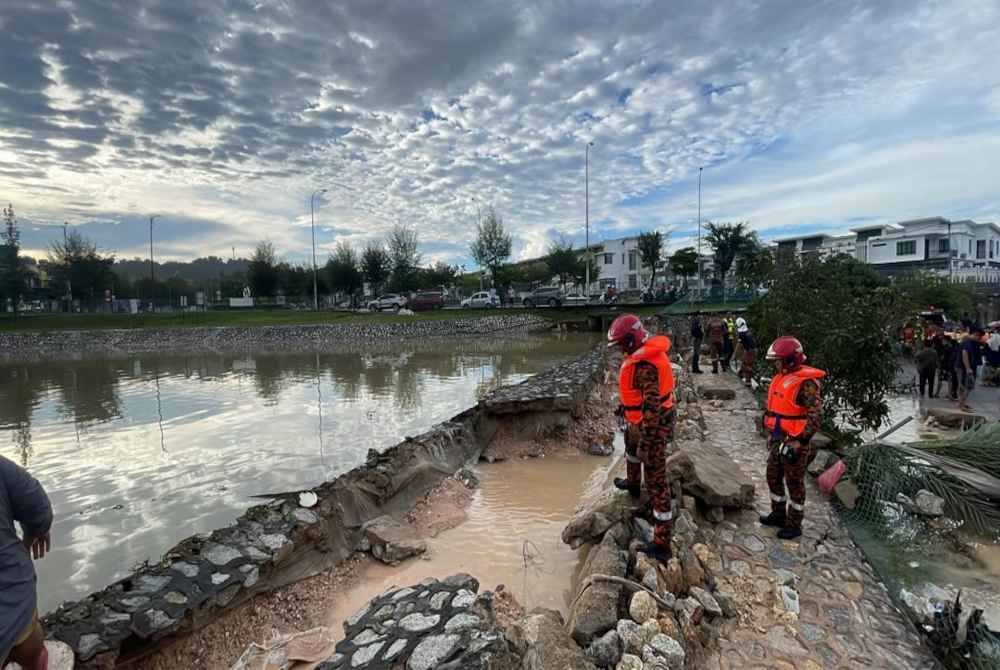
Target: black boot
[789, 532]
[774, 519]
[715, 368]
[623, 484]
[657, 552]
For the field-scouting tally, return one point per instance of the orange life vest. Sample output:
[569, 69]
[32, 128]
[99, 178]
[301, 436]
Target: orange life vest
[784, 414]
[653, 351]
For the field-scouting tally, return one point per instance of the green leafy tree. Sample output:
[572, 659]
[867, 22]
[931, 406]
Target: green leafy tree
[755, 266]
[650, 250]
[402, 244]
[924, 290]
[684, 262]
[843, 312]
[493, 243]
[376, 266]
[438, 275]
[729, 241]
[263, 273]
[78, 264]
[343, 270]
[11, 270]
[564, 261]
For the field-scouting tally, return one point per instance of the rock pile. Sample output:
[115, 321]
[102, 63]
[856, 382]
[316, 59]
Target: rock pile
[17, 346]
[432, 625]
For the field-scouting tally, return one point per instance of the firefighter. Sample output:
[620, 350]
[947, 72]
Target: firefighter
[791, 419]
[646, 385]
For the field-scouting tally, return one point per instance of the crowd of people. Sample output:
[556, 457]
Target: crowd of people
[729, 338]
[957, 358]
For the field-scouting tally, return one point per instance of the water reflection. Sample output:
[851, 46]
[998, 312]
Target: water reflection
[138, 453]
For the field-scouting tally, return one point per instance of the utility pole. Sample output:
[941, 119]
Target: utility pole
[69, 290]
[152, 273]
[586, 254]
[312, 220]
[699, 231]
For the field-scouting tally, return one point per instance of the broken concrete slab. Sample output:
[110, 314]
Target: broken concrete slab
[590, 522]
[716, 479]
[716, 393]
[543, 643]
[392, 541]
[954, 418]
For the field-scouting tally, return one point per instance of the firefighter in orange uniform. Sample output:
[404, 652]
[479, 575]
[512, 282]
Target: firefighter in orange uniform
[792, 418]
[646, 389]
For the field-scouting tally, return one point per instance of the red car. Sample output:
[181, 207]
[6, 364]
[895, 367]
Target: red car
[426, 300]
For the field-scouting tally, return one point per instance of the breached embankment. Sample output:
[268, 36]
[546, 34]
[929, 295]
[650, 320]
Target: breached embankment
[293, 537]
[49, 345]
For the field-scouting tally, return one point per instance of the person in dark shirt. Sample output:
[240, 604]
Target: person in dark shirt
[946, 363]
[22, 500]
[716, 337]
[927, 362]
[749, 347]
[967, 363]
[697, 336]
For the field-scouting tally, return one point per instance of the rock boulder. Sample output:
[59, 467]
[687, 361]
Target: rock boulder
[715, 479]
[391, 541]
[543, 643]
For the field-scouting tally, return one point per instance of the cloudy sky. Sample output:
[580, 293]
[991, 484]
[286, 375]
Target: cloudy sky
[223, 117]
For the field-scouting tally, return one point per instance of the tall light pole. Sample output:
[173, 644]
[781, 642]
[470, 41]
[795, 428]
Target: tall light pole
[586, 254]
[312, 220]
[69, 290]
[699, 231]
[152, 274]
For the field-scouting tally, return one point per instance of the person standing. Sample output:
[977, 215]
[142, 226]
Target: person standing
[646, 390]
[697, 337]
[749, 347]
[716, 337]
[22, 499]
[927, 363]
[728, 342]
[792, 417]
[969, 357]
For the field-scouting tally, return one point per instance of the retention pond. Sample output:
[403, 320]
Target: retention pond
[138, 453]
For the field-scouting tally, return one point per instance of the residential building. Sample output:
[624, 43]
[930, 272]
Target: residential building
[619, 265]
[961, 249]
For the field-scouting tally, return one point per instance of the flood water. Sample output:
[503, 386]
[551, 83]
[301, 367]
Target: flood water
[511, 535]
[138, 453]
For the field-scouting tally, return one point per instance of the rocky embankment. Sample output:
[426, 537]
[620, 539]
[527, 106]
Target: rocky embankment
[76, 343]
[301, 534]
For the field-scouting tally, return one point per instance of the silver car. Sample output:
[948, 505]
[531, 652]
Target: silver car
[481, 300]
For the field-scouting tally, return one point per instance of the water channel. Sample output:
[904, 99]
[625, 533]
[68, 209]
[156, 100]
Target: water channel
[138, 453]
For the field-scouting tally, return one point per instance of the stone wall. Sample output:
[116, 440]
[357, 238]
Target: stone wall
[63, 344]
[300, 534]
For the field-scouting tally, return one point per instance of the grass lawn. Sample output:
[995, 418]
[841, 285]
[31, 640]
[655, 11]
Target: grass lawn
[260, 317]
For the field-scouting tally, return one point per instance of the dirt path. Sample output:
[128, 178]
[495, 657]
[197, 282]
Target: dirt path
[845, 617]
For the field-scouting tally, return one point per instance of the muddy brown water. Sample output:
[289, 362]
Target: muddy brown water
[511, 535]
[138, 453]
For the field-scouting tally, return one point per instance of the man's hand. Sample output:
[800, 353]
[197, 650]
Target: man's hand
[38, 546]
[793, 444]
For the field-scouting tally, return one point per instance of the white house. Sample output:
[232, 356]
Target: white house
[619, 265]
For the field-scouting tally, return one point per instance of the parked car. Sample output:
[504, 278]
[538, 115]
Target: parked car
[545, 295]
[575, 299]
[388, 301]
[427, 300]
[483, 299]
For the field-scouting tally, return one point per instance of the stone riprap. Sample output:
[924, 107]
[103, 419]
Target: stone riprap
[436, 624]
[282, 541]
[75, 343]
[559, 389]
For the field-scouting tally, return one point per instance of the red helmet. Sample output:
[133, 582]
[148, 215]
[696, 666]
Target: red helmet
[788, 349]
[627, 331]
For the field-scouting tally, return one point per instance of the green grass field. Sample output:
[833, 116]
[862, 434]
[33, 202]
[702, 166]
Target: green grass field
[257, 317]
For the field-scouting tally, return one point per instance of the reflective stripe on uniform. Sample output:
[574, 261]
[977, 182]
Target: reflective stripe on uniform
[795, 506]
[777, 498]
[663, 516]
[632, 459]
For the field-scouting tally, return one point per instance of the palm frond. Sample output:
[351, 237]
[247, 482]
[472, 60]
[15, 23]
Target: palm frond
[978, 448]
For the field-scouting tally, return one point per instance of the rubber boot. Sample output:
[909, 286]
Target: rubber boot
[623, 484]
[715, 367]
[774, 519]
[789, 532]
[659, 548]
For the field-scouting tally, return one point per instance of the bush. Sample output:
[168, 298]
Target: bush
[845, 315]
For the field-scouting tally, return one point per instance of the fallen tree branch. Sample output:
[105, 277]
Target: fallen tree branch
[610, 579]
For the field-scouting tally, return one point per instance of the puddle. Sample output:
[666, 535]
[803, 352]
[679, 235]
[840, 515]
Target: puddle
[511, 535]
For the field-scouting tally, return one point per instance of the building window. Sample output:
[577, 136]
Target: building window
[980, 248]
[605, 283]
[633, 282]
[943, 246]
[908, 248]
[631, 260]
[623, 259]
[991, 248]
[609, 259]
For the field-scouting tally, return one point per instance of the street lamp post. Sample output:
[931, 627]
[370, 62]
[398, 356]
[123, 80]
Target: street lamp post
[152, 274]
[69, 290]
[699, 231]
[312, 223]
[586, 254]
